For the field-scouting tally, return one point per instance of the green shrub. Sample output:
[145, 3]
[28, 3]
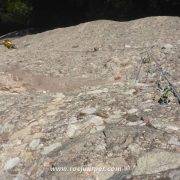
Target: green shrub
[15, 11]
[124, 6]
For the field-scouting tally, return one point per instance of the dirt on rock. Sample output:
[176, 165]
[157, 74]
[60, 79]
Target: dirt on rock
[89, 102]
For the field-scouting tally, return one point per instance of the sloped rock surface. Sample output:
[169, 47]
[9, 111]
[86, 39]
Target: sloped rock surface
[75, 98]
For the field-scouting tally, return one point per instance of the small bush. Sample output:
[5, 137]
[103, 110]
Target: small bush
[124, 6]
[15, 11]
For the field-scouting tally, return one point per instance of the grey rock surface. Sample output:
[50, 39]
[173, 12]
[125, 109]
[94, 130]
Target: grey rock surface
[64, 104]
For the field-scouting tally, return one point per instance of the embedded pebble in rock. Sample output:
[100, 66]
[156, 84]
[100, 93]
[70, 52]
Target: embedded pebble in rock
[175, 175]
[97, 121]
[132, 117]
[135, 149]
[115, 117]
[165, 125]
[59, 97]
[101, 146]
[11, 163]
[73, 120]
[71, 130]
[139, 123]
[127, 46]
[147, 110]
[167, 46]
[157, 161]
[148, 103]
[129, 92]
[34, 144]
[98, 91]
[172, 127]
[91, 124]
[8, 127]
[1, 129]
[20, 177]
[88, 111]
[174, 141]
[51, 149]
[132, 111]
[119, 162]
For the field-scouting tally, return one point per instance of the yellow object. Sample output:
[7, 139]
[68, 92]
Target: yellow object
[9, 44]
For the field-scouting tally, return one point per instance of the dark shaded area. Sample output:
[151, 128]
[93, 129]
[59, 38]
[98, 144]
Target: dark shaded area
[60, 13]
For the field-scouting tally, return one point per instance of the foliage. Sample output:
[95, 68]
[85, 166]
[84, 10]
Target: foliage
[40, 12]
[124, 6]
[15, 11]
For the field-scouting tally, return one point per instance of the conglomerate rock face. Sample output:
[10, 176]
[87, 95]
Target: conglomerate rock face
[89, 102]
